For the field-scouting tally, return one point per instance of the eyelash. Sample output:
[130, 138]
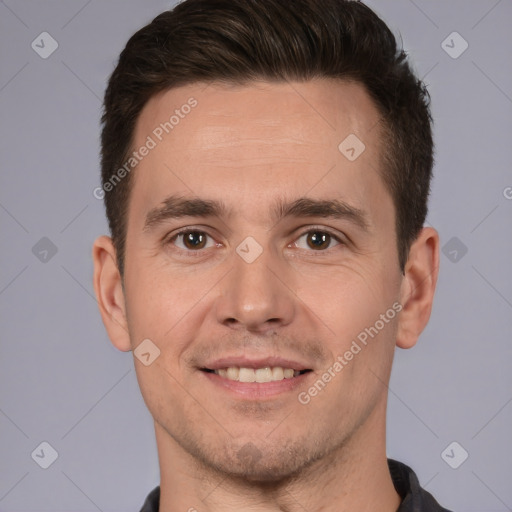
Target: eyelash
[198, 252]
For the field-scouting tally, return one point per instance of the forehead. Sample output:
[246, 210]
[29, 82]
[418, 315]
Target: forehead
[254, 140]
[309, 110]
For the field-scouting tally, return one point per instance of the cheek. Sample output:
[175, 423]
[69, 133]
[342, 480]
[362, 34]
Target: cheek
[159, 306]
[161, 309]
[348, 299]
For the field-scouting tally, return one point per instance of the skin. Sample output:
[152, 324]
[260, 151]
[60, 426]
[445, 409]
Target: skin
[250, 146]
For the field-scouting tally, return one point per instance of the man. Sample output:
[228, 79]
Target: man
[266, 169]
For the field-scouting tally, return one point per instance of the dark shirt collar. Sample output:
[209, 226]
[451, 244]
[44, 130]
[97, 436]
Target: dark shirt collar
[414, 498]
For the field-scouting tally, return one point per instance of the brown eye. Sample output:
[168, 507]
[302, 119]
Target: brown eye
[317, 240]
[191, 240]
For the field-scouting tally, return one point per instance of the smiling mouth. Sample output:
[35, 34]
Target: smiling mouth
[260, 375]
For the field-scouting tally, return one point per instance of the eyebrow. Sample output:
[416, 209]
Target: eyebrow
[175, 207]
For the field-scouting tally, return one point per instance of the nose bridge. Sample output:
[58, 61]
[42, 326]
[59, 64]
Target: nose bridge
[252, 296]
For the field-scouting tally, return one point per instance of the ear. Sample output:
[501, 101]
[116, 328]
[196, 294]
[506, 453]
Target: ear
[418, 287]
[109, 292]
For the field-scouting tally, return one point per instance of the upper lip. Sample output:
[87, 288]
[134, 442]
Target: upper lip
[262, 362]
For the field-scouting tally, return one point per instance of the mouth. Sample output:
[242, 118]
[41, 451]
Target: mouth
[256, 378]
[259, 375]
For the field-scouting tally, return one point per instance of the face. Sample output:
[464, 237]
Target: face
[261, 260]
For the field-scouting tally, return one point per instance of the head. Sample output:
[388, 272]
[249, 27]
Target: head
[244, 108]
[240, 42]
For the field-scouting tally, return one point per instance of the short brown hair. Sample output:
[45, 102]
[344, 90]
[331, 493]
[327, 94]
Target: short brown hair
[239, 41]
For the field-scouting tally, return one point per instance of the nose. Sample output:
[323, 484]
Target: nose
[255, 296]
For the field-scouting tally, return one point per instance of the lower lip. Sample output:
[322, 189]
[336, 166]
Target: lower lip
[256, 390]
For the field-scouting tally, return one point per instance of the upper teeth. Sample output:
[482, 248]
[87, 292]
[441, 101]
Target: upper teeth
[266, 374]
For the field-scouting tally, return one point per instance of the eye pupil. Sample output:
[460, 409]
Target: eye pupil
[318, 240]
[194, 240]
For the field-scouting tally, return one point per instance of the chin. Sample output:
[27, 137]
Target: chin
[261, 473]
[270, 466]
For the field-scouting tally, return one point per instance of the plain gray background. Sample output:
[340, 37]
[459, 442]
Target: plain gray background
[62, 382]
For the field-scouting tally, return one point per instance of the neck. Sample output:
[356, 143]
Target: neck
[355, 476]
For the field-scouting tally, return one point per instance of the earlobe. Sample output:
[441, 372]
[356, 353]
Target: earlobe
[109, 292]
[418, 287]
